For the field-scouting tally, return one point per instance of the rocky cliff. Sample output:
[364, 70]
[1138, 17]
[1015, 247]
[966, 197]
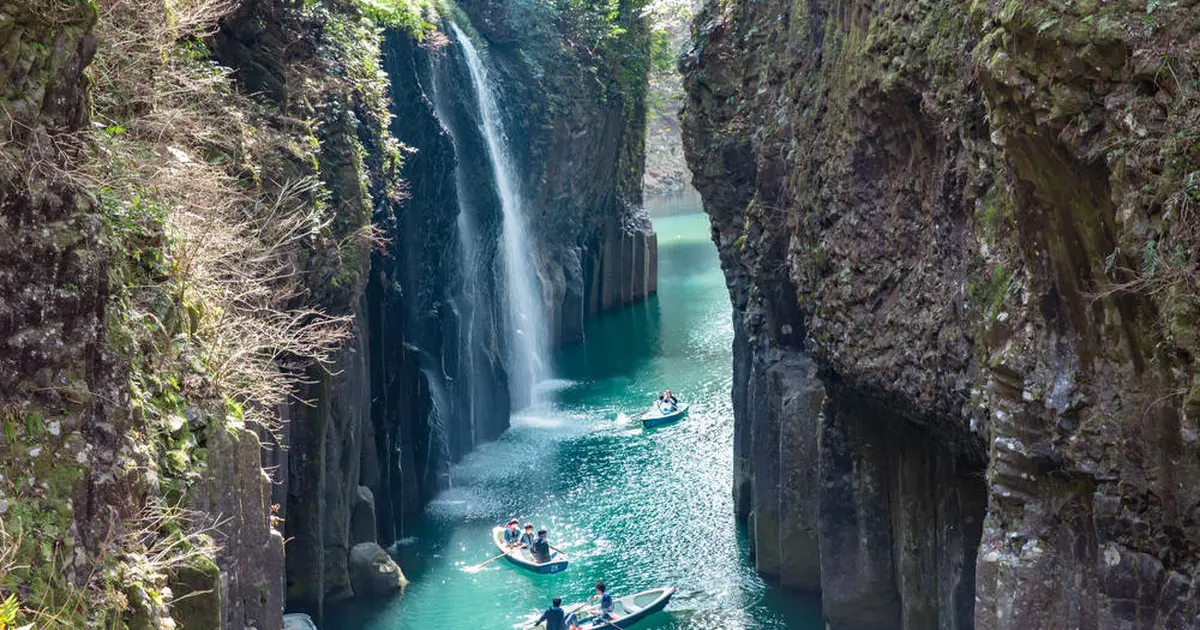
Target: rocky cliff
[237, 304]
[960, 244]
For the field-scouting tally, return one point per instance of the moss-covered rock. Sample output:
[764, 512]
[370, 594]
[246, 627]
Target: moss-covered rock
[196, 589]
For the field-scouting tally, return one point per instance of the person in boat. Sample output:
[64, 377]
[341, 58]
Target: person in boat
[540, 549]
[605, 610]
[553, 617]
[512, 533]
[527, 539]
[668, 403]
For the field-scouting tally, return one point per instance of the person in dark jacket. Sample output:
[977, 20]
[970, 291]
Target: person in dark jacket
[553, 617]
[540, 549]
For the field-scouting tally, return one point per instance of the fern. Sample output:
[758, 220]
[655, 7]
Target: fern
[1150, 258]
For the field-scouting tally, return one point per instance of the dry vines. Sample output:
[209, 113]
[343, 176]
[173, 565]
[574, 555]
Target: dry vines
[236, 250]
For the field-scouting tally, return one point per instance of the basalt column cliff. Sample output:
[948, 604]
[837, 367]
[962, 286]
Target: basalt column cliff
[250, 287]
[961, 244]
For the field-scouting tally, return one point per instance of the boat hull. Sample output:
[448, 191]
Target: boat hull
[637, 607]
[656, 419]
[522, 558]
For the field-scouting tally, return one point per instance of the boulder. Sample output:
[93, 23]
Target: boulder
[362, 517]
[298, 621]
[373, 573]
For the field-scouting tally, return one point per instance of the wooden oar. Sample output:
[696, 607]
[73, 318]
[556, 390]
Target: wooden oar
[489, 561]
[579, 608]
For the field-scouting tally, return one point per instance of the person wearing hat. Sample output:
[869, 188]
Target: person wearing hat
[526, 539]
[540, 549]
[512, 535]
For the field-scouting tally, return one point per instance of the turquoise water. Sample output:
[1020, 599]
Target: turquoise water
[635, 508]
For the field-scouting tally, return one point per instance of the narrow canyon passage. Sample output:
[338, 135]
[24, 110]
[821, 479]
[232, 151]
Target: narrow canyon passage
[634, 508]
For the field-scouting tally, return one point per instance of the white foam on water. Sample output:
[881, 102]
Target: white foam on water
[540, 418]
[551, 385]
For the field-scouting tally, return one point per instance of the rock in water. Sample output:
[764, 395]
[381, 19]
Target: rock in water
[298, 621]
[373, 573]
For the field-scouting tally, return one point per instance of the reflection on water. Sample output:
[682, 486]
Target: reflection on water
[634, 508]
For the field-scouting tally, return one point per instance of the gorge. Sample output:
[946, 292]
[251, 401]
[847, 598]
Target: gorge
[301, 297]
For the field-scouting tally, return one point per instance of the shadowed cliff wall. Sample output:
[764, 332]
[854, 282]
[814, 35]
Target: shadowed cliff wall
[944, 229]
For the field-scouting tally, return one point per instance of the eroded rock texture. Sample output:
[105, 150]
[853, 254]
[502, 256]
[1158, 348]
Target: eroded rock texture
[958, 245]
[423, 380]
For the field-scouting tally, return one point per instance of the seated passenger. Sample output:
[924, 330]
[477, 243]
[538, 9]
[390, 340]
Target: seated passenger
[526, 539]
[606, 602]
[553, 616]
[667, 403]
[540, 549]
[512, 535]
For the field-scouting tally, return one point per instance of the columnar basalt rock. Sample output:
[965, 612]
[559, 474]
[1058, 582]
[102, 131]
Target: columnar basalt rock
[122, 414]
[957, 214]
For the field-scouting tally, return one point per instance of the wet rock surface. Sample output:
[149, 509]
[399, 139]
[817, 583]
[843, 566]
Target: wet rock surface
[934, 206]
[373, 573]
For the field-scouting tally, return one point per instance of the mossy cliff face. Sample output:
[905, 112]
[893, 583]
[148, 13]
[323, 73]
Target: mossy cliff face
[104, 459]
[54, 282]
[146, 480]
[959, 248]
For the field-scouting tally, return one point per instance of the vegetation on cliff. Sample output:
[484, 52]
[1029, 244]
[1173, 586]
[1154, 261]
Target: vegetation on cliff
[666, 168]
[231, 233]
[192, 194]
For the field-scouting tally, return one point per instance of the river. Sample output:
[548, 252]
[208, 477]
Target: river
[635, 508]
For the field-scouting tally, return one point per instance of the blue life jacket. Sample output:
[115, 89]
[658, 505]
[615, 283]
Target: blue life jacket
[606, 603]
[511, 536]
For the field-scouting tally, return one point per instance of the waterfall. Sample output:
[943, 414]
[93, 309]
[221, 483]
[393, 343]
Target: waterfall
[524, 308]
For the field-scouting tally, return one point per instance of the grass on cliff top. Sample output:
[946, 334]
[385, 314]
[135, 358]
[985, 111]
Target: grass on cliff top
[414, 17]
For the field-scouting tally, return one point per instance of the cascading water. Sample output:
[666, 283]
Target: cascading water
[526, 319]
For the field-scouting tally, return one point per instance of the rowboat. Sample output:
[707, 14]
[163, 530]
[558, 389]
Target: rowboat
[524, 559]
[655, 417]
[630, 609]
